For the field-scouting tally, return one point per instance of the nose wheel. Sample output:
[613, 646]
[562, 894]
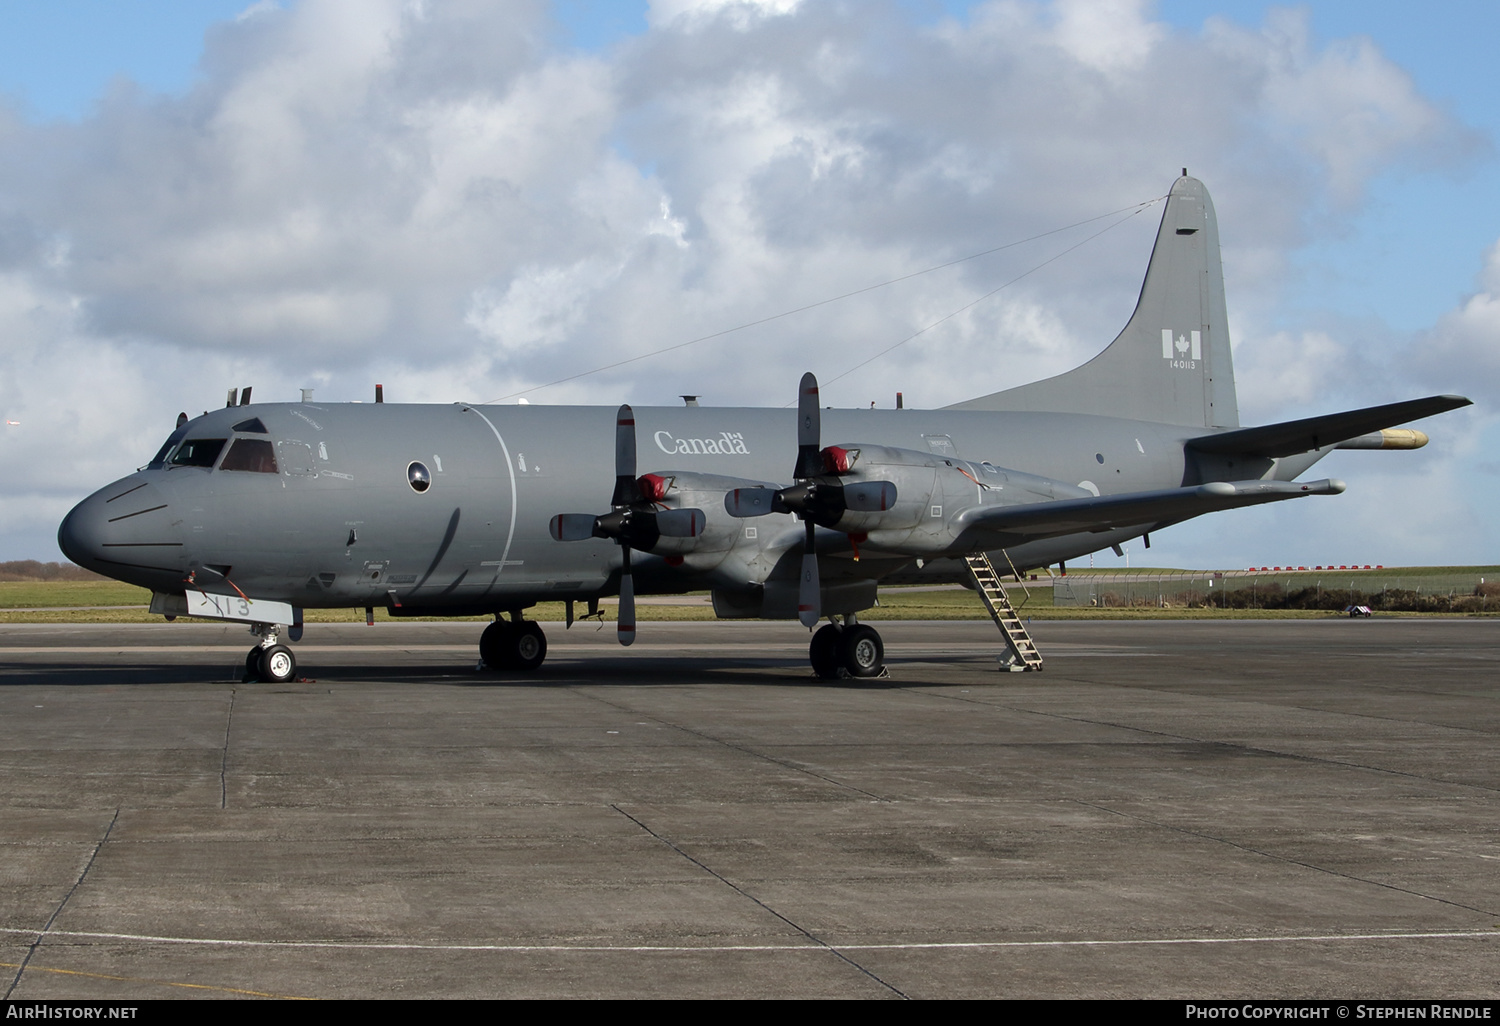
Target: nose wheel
[513, 645]
[852, 649]
[269, 662]
[270, 665]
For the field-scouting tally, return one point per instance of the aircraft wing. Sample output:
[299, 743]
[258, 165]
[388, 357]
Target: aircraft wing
[1296, 436]
[1072, 516]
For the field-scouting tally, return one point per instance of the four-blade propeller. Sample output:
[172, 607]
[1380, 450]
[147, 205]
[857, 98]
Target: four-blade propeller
[635, 519]
[638, 520]
[818, 497]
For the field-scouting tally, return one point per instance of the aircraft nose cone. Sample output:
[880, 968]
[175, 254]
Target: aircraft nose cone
[81, 535]
[127, 531]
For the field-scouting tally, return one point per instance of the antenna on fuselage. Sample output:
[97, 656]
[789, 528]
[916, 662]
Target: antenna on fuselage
[380, 393]
[245, 396]
[232, 397]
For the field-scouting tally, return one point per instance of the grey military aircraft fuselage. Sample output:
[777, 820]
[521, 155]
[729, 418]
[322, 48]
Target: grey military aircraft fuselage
[328, 516]
[254, 512]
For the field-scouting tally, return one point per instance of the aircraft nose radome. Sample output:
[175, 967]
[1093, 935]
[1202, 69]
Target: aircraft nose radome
[81, 535]
[121, 524]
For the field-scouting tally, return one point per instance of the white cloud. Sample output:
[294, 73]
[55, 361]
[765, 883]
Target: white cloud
[687, 15]
[1347, 105]
[1286, 369]
[1468, 339]
[428, 196]
[541, 307]
[1108, 35]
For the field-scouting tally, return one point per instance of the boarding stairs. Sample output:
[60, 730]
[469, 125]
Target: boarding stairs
[1023, 654]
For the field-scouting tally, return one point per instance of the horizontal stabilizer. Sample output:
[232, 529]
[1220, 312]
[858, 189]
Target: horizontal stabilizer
[1296, 436]
[1069, 516]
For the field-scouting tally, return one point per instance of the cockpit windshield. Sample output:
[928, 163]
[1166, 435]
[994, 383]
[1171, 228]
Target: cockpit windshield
[253, 454]
[197, 452]
[160, 459]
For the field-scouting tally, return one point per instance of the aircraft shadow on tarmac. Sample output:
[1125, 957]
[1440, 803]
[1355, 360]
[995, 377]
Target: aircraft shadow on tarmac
[667, 671]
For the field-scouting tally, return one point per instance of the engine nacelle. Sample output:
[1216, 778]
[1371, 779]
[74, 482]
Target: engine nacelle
[684, 490]
[931, 491]
[914, 475]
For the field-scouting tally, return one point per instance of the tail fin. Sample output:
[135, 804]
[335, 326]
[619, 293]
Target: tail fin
[1171, 364]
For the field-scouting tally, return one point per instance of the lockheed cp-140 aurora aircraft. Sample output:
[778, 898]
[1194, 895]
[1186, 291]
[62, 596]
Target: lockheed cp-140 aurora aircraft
[256, 512]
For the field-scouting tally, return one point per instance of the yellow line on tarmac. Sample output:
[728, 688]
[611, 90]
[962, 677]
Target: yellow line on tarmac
[162, 983]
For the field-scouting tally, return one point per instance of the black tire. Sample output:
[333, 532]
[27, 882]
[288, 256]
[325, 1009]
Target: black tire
[495, 646]
[277, 665]
[823, 653]
[252, 664]
[528, 645]
[862, 651]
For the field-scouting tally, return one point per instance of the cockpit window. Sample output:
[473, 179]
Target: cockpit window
[160, 458]
[253, 454]
[197, 452]
[253, 426]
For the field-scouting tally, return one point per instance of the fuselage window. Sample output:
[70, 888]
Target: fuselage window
[418, 476]
[197, 452]
[253, 426]
[255, 455]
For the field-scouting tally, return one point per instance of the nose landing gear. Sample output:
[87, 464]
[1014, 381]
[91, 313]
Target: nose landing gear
[269, 662]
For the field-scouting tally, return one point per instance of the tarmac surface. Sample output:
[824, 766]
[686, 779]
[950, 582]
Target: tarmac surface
[1248, 809]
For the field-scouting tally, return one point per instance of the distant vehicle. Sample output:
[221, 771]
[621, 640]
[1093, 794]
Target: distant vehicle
[256, 513]
[1358, 611]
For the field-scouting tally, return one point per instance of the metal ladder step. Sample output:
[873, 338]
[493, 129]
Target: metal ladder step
[1024, 653]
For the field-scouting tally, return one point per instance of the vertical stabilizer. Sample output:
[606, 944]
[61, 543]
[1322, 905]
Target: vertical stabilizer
[1172, 363]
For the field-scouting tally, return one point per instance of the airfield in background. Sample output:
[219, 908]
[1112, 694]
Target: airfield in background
[32, 592]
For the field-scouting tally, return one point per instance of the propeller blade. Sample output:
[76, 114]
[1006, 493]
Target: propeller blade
[870, 496]
[809, 597]
[680, 523]
[749, 502]
[809, 429]
[625, 628]
[572, 526]
[626, 491]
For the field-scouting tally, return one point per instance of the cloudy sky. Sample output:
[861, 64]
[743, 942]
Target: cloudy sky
[467, 200]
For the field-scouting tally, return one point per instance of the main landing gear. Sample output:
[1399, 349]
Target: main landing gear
[516, 644]
[849, 648]
[269, 662]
